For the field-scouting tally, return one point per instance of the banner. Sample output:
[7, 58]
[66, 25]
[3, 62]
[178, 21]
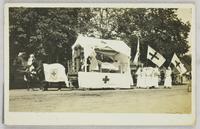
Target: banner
[177, 63]
[55, 73]
[155, 57]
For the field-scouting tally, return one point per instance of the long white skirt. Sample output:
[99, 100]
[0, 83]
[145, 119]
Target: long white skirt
[140, 81]
[149, 81]
[155, 81]
[168, 82]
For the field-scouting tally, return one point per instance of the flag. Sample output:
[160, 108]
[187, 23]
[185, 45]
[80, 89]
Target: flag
[177, 63]
[55, 73]
[136, 59]
[155, 57]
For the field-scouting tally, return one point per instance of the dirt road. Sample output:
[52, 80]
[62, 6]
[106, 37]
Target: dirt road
[175, 100]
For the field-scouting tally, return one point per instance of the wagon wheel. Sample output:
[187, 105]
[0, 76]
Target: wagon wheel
[44, 86]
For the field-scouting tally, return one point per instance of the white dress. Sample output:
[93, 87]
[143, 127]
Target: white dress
[168, 79]
[143, 80]
[148, 77]
[94, 64]
[155, 77]
[139, 78]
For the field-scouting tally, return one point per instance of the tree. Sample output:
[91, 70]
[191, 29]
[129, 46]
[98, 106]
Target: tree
[47, 32]
[50, 32]
[159, 28]
[104, 23]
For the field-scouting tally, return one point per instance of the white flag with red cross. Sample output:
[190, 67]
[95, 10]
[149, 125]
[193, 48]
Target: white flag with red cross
[178, 64]
[55, 73]
[155, 57]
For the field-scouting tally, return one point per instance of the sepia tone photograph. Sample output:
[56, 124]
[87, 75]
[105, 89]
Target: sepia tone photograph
[100, 59]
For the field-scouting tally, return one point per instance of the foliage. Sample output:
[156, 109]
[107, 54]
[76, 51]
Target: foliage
[50, 32]
[47, 32]
[159, 28]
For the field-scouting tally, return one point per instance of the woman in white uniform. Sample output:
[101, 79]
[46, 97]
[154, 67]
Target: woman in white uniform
[30, 68]
[140, 78]
[148, 78]
[155, 77]
[168, 79]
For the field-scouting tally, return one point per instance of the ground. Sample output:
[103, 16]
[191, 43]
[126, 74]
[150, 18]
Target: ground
[175, 100]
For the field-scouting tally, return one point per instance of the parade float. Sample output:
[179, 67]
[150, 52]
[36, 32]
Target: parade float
[101, 63]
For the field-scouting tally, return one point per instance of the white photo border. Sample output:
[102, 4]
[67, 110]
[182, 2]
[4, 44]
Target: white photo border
[60, 118]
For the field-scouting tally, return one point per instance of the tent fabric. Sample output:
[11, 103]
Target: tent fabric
[112, 55]
[90, 43]
[116, 50]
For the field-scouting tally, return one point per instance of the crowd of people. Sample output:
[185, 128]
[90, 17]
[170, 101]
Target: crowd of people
[148, 77]
[28, 68]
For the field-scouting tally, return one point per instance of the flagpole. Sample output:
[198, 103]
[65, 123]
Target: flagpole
[138, 48]
[146, 58]
[137, 55]
[170, 61]
[169, 64]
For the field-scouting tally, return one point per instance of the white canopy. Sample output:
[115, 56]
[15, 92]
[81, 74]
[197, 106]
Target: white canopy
[116, 49]
[90, 43]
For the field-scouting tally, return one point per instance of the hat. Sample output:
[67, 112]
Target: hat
[21, 53]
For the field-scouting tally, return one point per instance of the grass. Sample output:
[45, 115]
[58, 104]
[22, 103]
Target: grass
[175, 100]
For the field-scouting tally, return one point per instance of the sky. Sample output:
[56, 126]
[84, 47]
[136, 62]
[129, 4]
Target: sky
[185, 14]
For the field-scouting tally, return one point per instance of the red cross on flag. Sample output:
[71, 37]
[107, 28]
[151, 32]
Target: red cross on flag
[155, 57]
[177, 63]
[55, 73]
